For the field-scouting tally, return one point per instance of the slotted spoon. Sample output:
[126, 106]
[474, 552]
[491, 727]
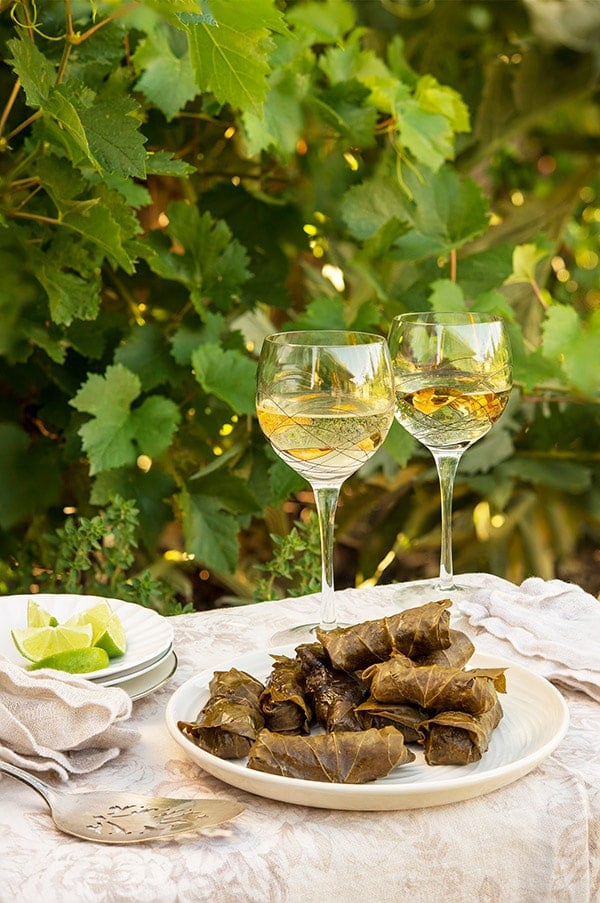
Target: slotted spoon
[122, 817]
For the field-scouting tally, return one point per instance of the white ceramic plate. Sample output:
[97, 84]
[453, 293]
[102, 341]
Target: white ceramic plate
[149, 635]
[535, 720]
[118, 678]
[139, 686]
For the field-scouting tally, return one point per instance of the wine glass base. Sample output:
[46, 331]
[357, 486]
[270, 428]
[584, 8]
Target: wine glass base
[294, 636]
[428, 591]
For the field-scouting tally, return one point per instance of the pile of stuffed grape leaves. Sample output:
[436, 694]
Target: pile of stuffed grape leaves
[344, 708]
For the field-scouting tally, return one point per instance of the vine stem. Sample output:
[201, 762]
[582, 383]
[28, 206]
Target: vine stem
[9, 104]
[326, 499]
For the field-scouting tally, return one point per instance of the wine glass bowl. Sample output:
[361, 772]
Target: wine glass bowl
[325, 402]
[453, 379]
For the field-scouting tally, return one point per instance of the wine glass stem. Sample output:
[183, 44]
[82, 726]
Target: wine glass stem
[326, 499]
[447, 465]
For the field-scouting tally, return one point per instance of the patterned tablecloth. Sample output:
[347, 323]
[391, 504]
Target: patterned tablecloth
[535, 841]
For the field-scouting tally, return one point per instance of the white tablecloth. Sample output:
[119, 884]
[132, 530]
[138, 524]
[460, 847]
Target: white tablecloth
[535, 841]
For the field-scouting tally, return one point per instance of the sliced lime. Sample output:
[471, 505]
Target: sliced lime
[113, 639]
[38, 616]
[74, 661]
[36, 643]
[108, 632]
[97, 615]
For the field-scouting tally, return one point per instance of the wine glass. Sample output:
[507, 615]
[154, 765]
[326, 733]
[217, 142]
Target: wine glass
[325, 402]
[453, 378]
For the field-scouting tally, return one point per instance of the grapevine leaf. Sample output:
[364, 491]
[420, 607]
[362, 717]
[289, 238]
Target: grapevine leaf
[70, 296]
[231, 492]
[154, 424]
[574, 344]
[428, 136]
[322, 313]
[560, 328]
[337, 313]
[213, 265]
[108, 438]
[98, 226]
[326, 22]
[436, 98]
[346, 61]
[228, 374]
[284, 481]
[281, 122]
[67, 118]
[185, 341]
[341, 108]
[210, 532]
[447, 295]
[113, 136]
[524, 262]
[367, 207]
[400, 444]
[147, 353]
[485, 270]
[134, 194]
[166, 77]
[162, 163]
[445, 212]
[448, 212]
[232, 60]
[531, 370]
[36, 72]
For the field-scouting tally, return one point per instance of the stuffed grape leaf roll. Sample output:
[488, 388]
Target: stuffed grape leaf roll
[456, 655]
[283, 701]
[333, 694]
[433, 686]
[343, 757]
[404, 717]
[455, 738]
[231, 719]
[415, 632]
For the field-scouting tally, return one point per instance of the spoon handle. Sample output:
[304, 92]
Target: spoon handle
[27, 778]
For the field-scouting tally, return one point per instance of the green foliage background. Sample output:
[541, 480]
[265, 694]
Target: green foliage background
[180, 177]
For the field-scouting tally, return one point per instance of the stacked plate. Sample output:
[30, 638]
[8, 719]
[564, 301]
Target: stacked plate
[149, 661]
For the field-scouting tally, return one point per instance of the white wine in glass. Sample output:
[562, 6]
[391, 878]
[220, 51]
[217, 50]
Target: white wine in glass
[453, 378]
[325, 402]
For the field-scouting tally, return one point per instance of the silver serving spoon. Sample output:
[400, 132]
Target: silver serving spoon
[124, 817]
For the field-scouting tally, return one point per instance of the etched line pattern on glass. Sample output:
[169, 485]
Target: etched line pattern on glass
[325, 439]
[449, 412]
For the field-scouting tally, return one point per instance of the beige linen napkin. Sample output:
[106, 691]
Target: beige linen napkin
[549, 626]
[65, 723]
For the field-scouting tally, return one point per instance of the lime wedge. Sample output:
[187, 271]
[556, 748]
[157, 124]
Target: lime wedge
[97, 615]
[108, 632]
[74, 661]
[38, 616]
[36, 643]
[113, 640]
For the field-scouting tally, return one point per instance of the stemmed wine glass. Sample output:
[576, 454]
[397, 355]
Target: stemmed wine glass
[325, 402]
[453, 378]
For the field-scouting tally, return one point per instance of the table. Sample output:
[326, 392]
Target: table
[535, 841]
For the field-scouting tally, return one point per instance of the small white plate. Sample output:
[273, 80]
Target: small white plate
[139, 686]
[114, 679]
[149, 635]
[535, 721]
